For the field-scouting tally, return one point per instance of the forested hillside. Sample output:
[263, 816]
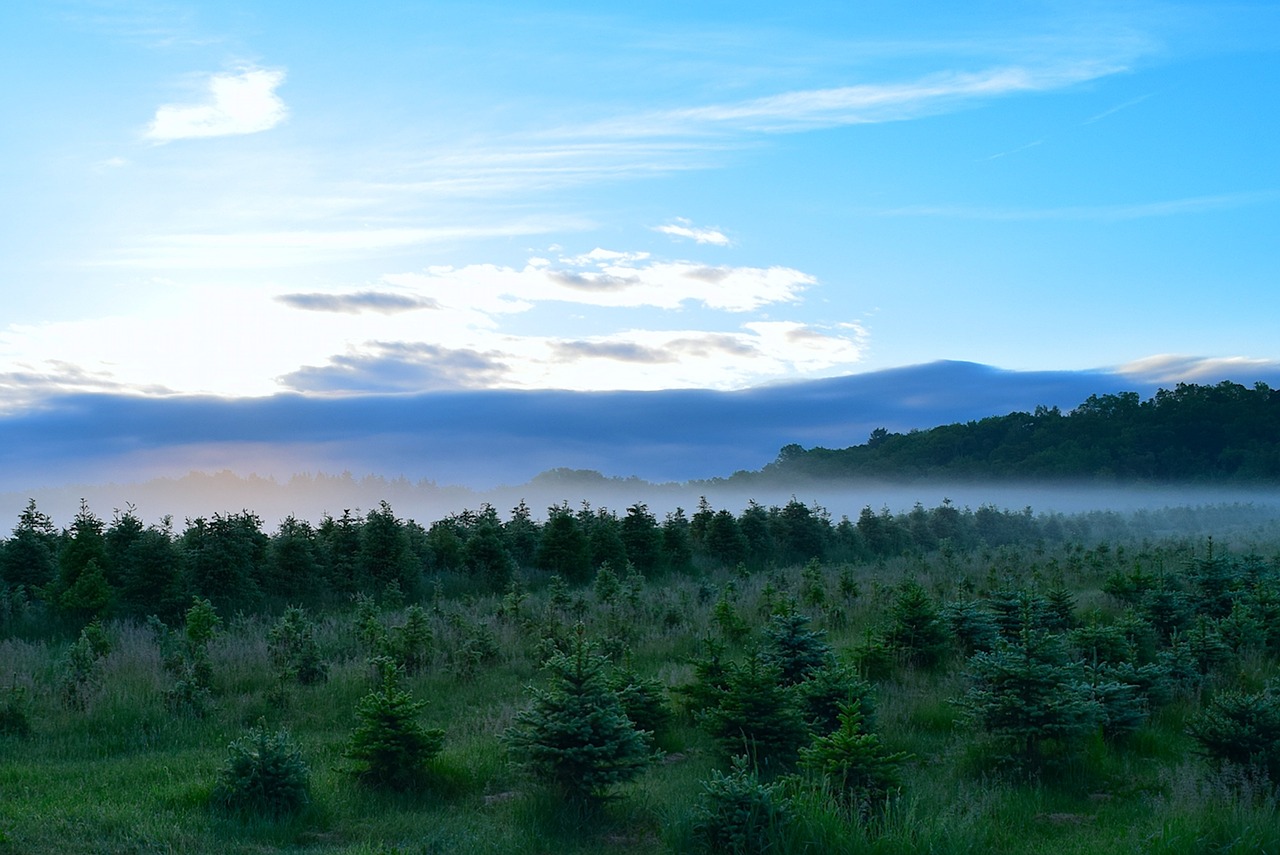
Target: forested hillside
[1225, 432]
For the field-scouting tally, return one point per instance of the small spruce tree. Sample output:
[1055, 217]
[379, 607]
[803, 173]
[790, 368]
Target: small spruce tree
[294, 650]
[758, 714]
[264, 775]
[389, 746]
[576, 736]
[854, 763]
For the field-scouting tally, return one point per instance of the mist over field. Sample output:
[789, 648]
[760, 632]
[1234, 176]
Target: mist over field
[435, 454]
[311, 497]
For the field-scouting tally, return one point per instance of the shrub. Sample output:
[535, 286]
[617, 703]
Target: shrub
[794, 649]
[264, 775]
[738, 814]
[391, 749]
[13, 711]
[80, 672]
[758, 714]
[644, 700]
[575, 735]
[916, 632]
[1027, 695]
[411, 644]
[854, 763]
[829, 688]
[294, 650]
[1242, 729]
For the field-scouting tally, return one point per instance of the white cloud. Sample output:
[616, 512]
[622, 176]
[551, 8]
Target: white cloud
[240, 103]
[607, 279]
[1176, 368]
[683, 228]
[807, 109]
[1101, 213]
[255, 250]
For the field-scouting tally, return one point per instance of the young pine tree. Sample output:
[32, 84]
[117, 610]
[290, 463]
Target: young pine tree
[1028, 695]
[575, 736]
[389, 746]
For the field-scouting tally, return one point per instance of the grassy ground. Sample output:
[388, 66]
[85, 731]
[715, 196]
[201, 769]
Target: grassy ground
[127, 775]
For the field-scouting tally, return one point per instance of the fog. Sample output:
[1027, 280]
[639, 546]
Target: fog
[310, 497]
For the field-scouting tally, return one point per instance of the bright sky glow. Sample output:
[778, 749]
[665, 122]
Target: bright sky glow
[250, 198]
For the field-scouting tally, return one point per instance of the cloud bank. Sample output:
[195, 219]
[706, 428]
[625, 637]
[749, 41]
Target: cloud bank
[484, 438]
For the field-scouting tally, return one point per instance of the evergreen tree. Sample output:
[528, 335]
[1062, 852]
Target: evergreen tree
[389, 746]
[520, 534]
[294, 650]
[853, 762]
[916, 630]
[1027, 695]
[575, 735]
[564, 548]
[29, 558]
[793, 648]
[758, 715]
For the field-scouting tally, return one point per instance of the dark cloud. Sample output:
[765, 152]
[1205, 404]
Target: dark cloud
[383, 302]
[592, 281]
[400, 367]
[800, 335]
[489, 437]
[710, 275]
[58, 376]
[621, 351]
[703, 345]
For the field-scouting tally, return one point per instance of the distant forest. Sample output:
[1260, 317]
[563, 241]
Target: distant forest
[1224, 432]
[94, 569]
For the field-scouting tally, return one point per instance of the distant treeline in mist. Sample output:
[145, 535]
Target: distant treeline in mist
[123, 568]
[1224, 432]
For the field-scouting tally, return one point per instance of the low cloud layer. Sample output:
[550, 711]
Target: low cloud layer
[483, 438]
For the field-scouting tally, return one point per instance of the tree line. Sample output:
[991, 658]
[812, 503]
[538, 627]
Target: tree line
[124, 568]
[1190, 433]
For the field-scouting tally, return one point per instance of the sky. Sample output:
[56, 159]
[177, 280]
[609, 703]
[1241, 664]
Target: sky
[253, 199]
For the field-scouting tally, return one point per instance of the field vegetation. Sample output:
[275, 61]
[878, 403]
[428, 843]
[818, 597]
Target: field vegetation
[943, 680]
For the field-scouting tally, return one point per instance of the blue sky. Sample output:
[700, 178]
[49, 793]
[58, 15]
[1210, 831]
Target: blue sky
[243, 199]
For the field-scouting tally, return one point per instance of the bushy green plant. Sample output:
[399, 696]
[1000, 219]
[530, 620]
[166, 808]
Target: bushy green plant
[411, 643]
[826, 690]
[710, 680]
[1242, 729]
[264, 775]
[970, 625]
[389, 746]
[294, 650]
[793, 648]
[80, 673]
[644, 700]
[14, 720]
[575, 736]
[758, 714]
[916, 630]
[1027, 694]
[853, 763]
[737, 813]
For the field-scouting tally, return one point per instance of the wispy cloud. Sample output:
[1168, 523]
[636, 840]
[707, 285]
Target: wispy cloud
[362, 301]
[1105, 213]
[1177, 368]
[808, 109]
[1116, 109]
[237, 103]
[683, 228]
[257, 249]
